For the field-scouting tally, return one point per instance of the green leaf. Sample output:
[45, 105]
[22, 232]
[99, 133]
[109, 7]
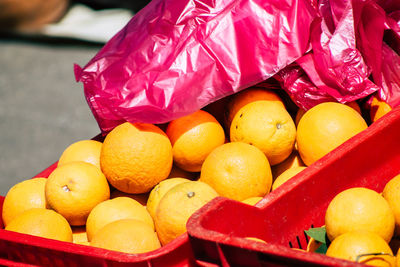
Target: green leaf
[319, 234]
[322, 249]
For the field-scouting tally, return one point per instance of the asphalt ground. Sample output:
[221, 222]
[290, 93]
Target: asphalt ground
[42, 108]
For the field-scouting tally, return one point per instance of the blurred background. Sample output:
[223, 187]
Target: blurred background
[42, 109]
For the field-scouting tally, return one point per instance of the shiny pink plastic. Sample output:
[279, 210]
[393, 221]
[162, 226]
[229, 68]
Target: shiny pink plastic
[175, 57]
[379, 41]
[355, 52]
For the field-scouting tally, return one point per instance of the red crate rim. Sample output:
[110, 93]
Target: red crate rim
[85, 250]
[196, 230]
[69, 247]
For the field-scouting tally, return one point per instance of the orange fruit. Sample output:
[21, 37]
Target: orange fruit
[74, 189]
[255, 239]
[398, 258]
[113, 210]
[286, 175]
[324, 127]
[300, 112]
[84, 150]
[141, 198]
[238, 171]
[378, 108]
[299, 115]
[136, 157]
[42, 222]
[79, 235]
[294, 160]
[252, 200]
[177, 205]
[359, 209]
[23, 196]
[313, 245]
[159, 191]
[178, 172]
[391, 193]
[193, 137]
[355, 246]
[127, 235]
[354, 105]
[247, 96]
[266, 125]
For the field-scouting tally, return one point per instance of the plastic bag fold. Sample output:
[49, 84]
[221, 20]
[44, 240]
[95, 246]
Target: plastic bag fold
[346, 42]
[175, 57]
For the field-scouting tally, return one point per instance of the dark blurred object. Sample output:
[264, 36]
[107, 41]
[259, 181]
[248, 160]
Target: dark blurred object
[30, 15]
[135, 5]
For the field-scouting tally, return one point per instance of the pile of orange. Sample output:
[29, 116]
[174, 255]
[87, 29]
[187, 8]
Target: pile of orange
[145, 181]
[363, 225]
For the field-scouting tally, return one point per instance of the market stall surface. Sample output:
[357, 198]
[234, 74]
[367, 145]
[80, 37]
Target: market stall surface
[42, 108]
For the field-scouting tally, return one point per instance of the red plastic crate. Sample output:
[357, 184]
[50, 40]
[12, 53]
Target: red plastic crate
[218, 230]
[25, 250]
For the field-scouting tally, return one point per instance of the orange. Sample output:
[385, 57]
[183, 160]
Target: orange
[42, 222]
[79, 235]
[286, 175]
[238, 171]
[127, 235]
[178, 172]
[359, 209]
[299, 115]
[266, 125]
[84, 150]
[398, 258]
[354, 246]
[300, 112]
[294, 160]
[378, 108]
[354, 105]
[114, 210]
[159, 191]
[324, 127]
[193, 137]
[252, 200]
[255, 239]
[391, 193]
[177, 205]
[74, 189]
[23, 196]
[247, 96]
[136, 157]
[141, 198]
[313, 245]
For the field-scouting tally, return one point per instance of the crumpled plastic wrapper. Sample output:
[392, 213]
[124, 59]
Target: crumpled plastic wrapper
[175, 57]
[386, 67]
[350, 57]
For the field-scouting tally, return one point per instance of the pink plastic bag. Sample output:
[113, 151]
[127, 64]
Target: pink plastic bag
[384, 59]
[390, 87]
[335, 69]
[175, 57]
[347, 49]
